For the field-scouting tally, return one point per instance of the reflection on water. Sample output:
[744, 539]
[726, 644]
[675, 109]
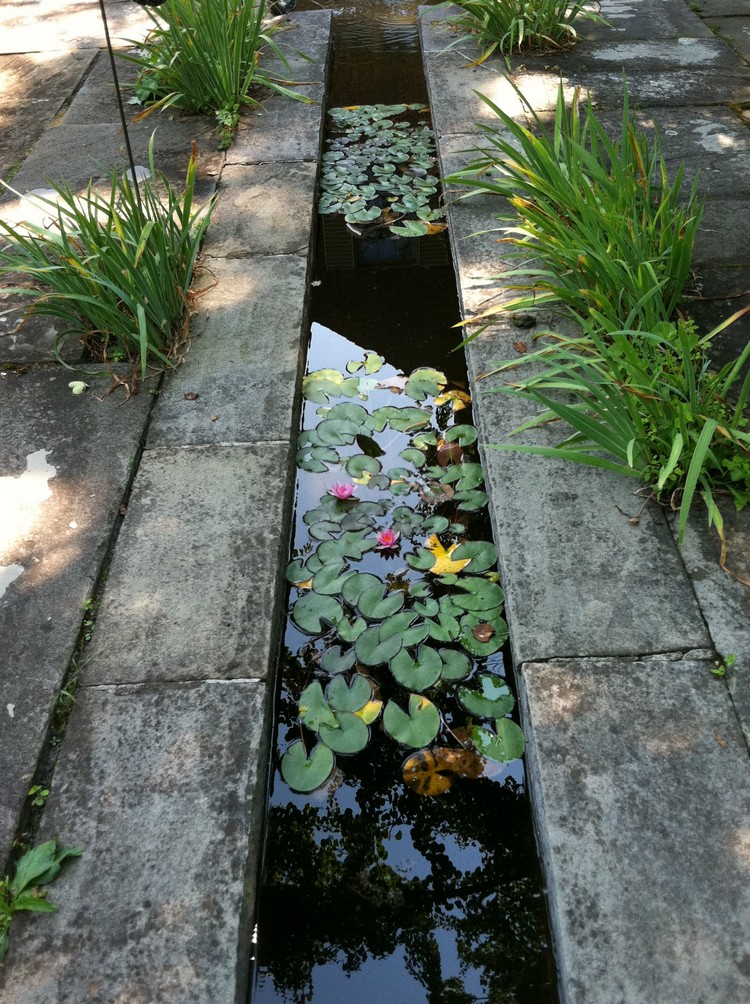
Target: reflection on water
[373, 42]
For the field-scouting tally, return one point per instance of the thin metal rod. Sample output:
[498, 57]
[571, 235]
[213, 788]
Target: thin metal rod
[131, 161]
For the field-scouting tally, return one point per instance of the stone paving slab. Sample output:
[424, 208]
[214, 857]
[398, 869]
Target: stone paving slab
[736, 30]
[67, 24]
[655, 54]
[263, 209]
[245, 358]
[722, 8]
[666, 19]
[722, 235]
[724, 599]
[638, 775]
[64, 465]
[160, 905]
[196, 516]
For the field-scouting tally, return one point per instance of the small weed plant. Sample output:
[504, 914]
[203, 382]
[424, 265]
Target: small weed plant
[203, 56]
[596, 220]
[509, 26]
[36, 869]
[116, 268]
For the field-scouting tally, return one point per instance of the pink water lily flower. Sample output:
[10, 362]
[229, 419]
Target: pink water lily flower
[340, 491]
[387, 540]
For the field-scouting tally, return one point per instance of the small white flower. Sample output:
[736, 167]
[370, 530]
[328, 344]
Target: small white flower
[78, 386]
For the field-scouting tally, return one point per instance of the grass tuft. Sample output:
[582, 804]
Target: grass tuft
[115, 269]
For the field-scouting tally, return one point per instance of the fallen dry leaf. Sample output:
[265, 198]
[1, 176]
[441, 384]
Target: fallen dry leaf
[520, 347]
[431, 772]
[483, 632]
[444, 564]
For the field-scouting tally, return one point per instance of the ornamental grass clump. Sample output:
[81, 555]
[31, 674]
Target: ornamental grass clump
[203, 56]
[647, 404]
[597, 221]
[115, 268]
[510, 26]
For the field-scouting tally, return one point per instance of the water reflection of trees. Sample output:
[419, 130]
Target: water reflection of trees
[341, 887]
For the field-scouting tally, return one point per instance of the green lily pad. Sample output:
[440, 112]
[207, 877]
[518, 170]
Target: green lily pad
[325, 530]
[358, 584]
[424, 440]
[407, 419]
[456, 665]
[482, 554]
[306, 773]
[465, 435]
[424, 383]
[321, 385]
[418, 673]
[492, 700]
[415, 634]
[349, 736]
[338, 660]
[315, 459]
[371, 651]
[478, 594]
[296, 572]
[420, 588]
[493, 644]
[467, 476]
[421, 559]
[313, 707]
[355, 543]
[376, 606]
[348, 412]
[445, 628]
[312, 610]
[357, 465]
[436, 524]
[329, 581]
[371, 363]
[449, 579]
[508, 744]
[349, 697]
[409, 228]
[337, 432]
[416, 728]
[397, 624]
[427, 607]
[413, 456]
[470, 501]
[350, 630]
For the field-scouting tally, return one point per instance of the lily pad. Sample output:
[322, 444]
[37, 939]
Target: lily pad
[508, 744]
[416, 728]
[413, 456]
[325, 530]
[466, 476]
[357, 585]
[493, 699]
[376, 606]
[329, 581]
[311, 611]
[306, 773]
[420, 588]
[348, 412]
[424, 383]
[350, 735]
[407, 419]
[350, 630]
[427, 607]
[415, 634]
[493, 644]
[337, 431]
[357, 465]
[445, 628]
[397, 624]
[478, 594]
[321, 385]
[313, 707]
[371, 651]
[456, 665]
[424, 440]
[338, 660]
[418, 673]
[349, 697]
[369, 447]
[315, 459]
[296, 572]
[436, 524]
[422, 559]
[481, 554]
[465, 435]
[471, 501]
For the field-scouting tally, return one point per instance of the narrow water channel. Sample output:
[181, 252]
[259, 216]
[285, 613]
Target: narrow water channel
[371, 891]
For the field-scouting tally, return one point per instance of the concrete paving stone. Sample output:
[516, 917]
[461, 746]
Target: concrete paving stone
[722, 236]
[280, 130]
[79, 153]
[724, 599]
[655, 54]
[163, 786]
[33, 340]
[304, 40]
[720, 287]
[665, 19]
[561, 528]
[721, 8]
[44, 25]
[638, 776]
[736, 31]
[96, 100]
[263, 209]
[64, 465]
[245, 359]
[198, 574]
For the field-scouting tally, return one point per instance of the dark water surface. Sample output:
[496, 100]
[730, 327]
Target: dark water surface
[372, 894]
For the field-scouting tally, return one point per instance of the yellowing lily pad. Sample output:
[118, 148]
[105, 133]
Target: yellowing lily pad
[458, 398]
[444, 564]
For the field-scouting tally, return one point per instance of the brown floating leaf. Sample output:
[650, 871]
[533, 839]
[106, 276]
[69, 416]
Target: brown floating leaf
[449, 453]
[520, 347]
[190, 396]
[483, 632]
[431, 772]
[434, 491]
[436, 228]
